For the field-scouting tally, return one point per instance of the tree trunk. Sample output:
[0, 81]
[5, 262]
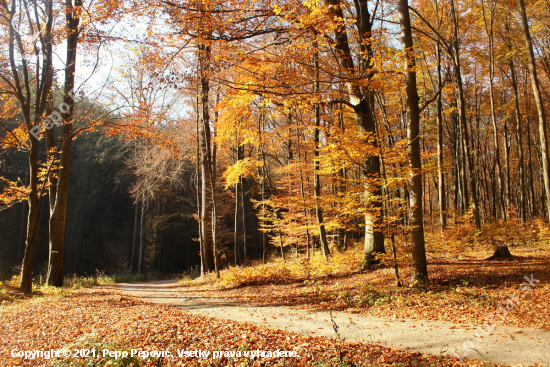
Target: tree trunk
[538, 102]
[316, 178]
[420, 270]
[440, 173]
[468, 171]
[522, 206]
[501, 253]
[32, 106]
[206, 184]
[142, 235]
[363, 104]
[198, 185]
[496, 135]
[33, 224]
[134, 238]
[238, 216]
[58, 215]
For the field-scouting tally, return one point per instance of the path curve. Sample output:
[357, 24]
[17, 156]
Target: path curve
[506, 345]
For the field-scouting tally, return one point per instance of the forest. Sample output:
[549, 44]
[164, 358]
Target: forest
[241, 142]
[217, 133]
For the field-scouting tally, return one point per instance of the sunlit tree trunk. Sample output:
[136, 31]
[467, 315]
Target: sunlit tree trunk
[522, 206]
[538, 102]
[469, 174]
[440, 173]
[32, 89]
[205, 138]
[416, 222]
[316, 178]
[362, 103]
[489, 30]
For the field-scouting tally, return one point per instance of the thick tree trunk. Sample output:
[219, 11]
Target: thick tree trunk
[363, 104]
[538, 102]
[58, 216]
[32, 105]
[420, 272]
[501, 253]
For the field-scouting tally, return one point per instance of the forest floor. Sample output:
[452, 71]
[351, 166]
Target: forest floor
[505, 344]
[494, 311]
[350, 319]
[96, 321]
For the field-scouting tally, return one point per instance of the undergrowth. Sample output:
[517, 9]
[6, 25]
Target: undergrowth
[292, 270]
[461, 237]
[10, 293]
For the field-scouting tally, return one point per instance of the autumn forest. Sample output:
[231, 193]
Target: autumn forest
[277, 127]
[210, 137]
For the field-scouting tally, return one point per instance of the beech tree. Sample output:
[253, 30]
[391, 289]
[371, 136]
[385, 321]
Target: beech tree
[27, 75]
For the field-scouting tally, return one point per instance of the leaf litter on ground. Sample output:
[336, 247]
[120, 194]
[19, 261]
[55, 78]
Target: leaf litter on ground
[104, 319]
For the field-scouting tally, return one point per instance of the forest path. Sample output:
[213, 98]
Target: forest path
[506, 345]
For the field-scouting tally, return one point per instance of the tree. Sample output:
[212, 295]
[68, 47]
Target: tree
[533, 76]
[362, 102]
[58, 197]
[416, 222]
[29, 77]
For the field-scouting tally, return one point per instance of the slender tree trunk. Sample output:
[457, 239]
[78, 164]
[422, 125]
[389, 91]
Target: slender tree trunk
[507, 187]
[198, 185]
[498, 173]
[213, 186]
[468, 163]
[238, 215]
[134, 237]
[522, 205]
[264, 234]
[420, 272]
[538, 102]
[316, 178]
[440, 173]
[206, 184]
[244, 201]
[142, 235]
[532, 199]
[33, 224]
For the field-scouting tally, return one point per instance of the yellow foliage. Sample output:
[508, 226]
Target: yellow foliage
[243, 168]
[292, 270]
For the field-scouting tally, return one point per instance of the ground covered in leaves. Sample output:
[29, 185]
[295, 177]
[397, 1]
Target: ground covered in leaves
[463, 289]
[96, 320]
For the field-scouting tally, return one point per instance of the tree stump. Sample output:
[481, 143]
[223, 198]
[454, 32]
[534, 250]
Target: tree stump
[502, 253]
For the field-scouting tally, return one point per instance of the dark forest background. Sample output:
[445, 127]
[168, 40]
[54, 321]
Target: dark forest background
[101, 217]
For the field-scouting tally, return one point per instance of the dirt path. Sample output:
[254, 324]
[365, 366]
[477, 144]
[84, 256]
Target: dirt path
[507, 345]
